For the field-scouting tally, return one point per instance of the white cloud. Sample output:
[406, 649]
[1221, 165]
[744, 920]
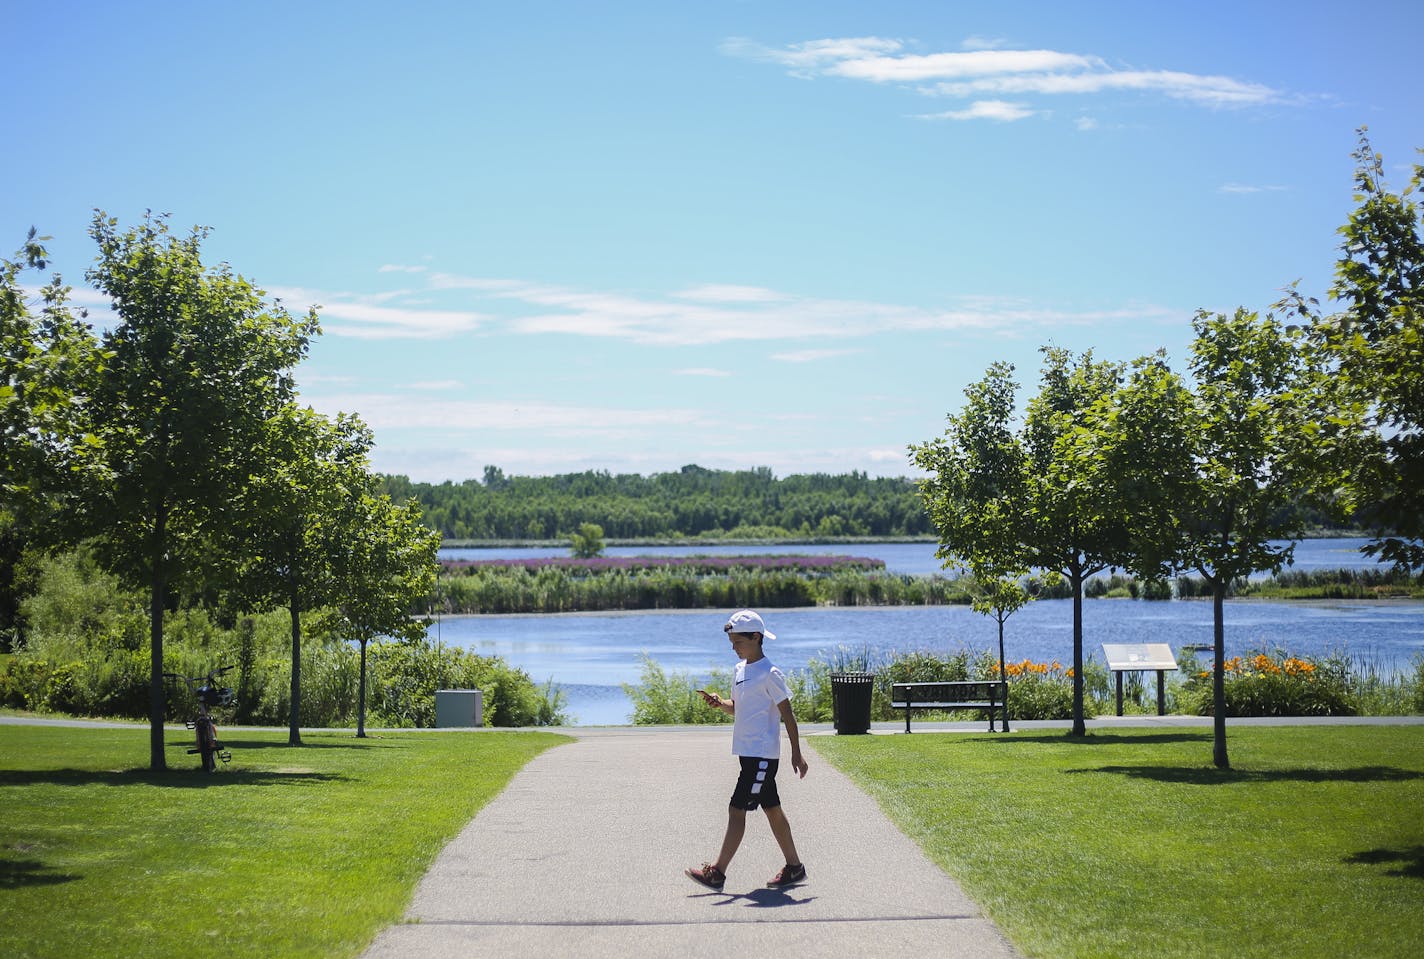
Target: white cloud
[1210, 91]
[978, 63]
[727, 293]
[1000, 110]
[701, 371]
[985, 70]
[387, 411]
[436, 386]
[347, 314]
[397, 268]
[811, 356]
[1247, 188]
[977, 42]
[729, 313]
[1086, 123]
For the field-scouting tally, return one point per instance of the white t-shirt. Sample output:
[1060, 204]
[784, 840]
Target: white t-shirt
[758, 690]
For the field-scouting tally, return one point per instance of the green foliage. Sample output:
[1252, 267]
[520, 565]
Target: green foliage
[86, 656]
[491, 589]
[48, 361]
[691, 502]
[198, 362]
[1275, 684]
[672, 698]
[587, 543]
[1074, 489]
[1376, 342]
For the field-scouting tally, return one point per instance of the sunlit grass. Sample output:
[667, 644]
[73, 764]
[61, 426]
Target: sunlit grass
[1131, 843]
[305, 851]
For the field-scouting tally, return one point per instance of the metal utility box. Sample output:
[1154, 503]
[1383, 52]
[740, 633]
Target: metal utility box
[459, 708]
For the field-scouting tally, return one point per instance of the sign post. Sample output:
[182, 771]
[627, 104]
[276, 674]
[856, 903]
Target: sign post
[1137, 658]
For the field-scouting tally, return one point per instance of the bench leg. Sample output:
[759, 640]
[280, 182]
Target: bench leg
[907, 719]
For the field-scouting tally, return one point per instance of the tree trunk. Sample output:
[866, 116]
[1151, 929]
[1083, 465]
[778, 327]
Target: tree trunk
[361, 697]
[1075, 579]
[157, 586]
[1003, 673]
[1218, 680]
[294, 724]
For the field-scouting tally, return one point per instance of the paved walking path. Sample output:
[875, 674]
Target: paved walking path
[582, 855]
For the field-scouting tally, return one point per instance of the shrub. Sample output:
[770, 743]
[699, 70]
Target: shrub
[1276, 684]
[663, 698]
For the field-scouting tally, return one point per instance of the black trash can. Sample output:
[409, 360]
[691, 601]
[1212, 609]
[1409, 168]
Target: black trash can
[850, 701]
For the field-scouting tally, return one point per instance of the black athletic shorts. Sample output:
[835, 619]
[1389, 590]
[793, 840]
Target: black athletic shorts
[756, 786]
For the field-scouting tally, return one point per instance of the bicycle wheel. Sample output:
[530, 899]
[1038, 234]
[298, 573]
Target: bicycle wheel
[207, 744]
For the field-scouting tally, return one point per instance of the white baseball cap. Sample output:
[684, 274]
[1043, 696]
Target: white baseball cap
[747, 621]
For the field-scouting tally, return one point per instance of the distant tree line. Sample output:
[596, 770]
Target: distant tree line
[693, 501]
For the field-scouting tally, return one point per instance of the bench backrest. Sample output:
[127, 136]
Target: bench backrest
[972, 690]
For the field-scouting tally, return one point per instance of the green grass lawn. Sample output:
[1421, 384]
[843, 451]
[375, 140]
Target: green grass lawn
[305, 851]
[1130, 843]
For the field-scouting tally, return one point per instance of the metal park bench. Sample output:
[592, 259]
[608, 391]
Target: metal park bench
[978, 694]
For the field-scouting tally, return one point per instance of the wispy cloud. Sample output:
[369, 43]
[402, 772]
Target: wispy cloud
[702, 371]
[984, 71]
[435, 386]
[727, 293]
[389, 411]
[1249, 188]
[347, 314]
[725, 313]
[1000, 110]
[811, 356]
[398, 268]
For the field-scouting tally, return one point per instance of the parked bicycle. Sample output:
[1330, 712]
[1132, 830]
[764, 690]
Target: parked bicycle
[208, 692]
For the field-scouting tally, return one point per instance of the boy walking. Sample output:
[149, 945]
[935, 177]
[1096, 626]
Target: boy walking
[760, 703]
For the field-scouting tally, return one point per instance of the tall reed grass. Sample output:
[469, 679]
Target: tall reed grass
[557, 589]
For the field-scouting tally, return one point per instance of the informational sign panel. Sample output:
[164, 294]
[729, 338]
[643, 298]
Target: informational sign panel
[1140, 657]
[1129, 657]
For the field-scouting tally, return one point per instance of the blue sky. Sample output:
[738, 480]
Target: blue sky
[631, 236]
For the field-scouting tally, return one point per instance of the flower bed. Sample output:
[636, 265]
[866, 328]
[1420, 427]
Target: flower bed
[1262, 684]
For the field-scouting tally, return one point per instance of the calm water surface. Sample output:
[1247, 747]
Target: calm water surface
[591, 654]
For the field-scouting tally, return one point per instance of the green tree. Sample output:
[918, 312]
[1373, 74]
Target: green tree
[1264, 433]
[1377, 344]
[1001, 598]
[289, 519]
[588, 541]
[388, 566]
[48, 360]
[1075, 490]
[198, 363]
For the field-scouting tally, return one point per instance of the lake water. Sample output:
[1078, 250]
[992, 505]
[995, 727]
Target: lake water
[591, 654]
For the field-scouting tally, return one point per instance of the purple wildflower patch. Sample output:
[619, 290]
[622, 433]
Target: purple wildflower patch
[687, 564]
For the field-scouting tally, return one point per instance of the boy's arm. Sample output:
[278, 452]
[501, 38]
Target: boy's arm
[788, 719]
[716, 701]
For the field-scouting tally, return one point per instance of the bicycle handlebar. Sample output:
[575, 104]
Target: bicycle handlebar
[209, 675]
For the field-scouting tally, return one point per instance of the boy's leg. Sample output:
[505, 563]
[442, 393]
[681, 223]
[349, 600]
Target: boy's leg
[781, 829]
[736, 829]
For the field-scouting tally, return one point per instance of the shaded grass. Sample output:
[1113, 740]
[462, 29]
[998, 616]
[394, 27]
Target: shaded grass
[1131, 843]
[289, 851]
